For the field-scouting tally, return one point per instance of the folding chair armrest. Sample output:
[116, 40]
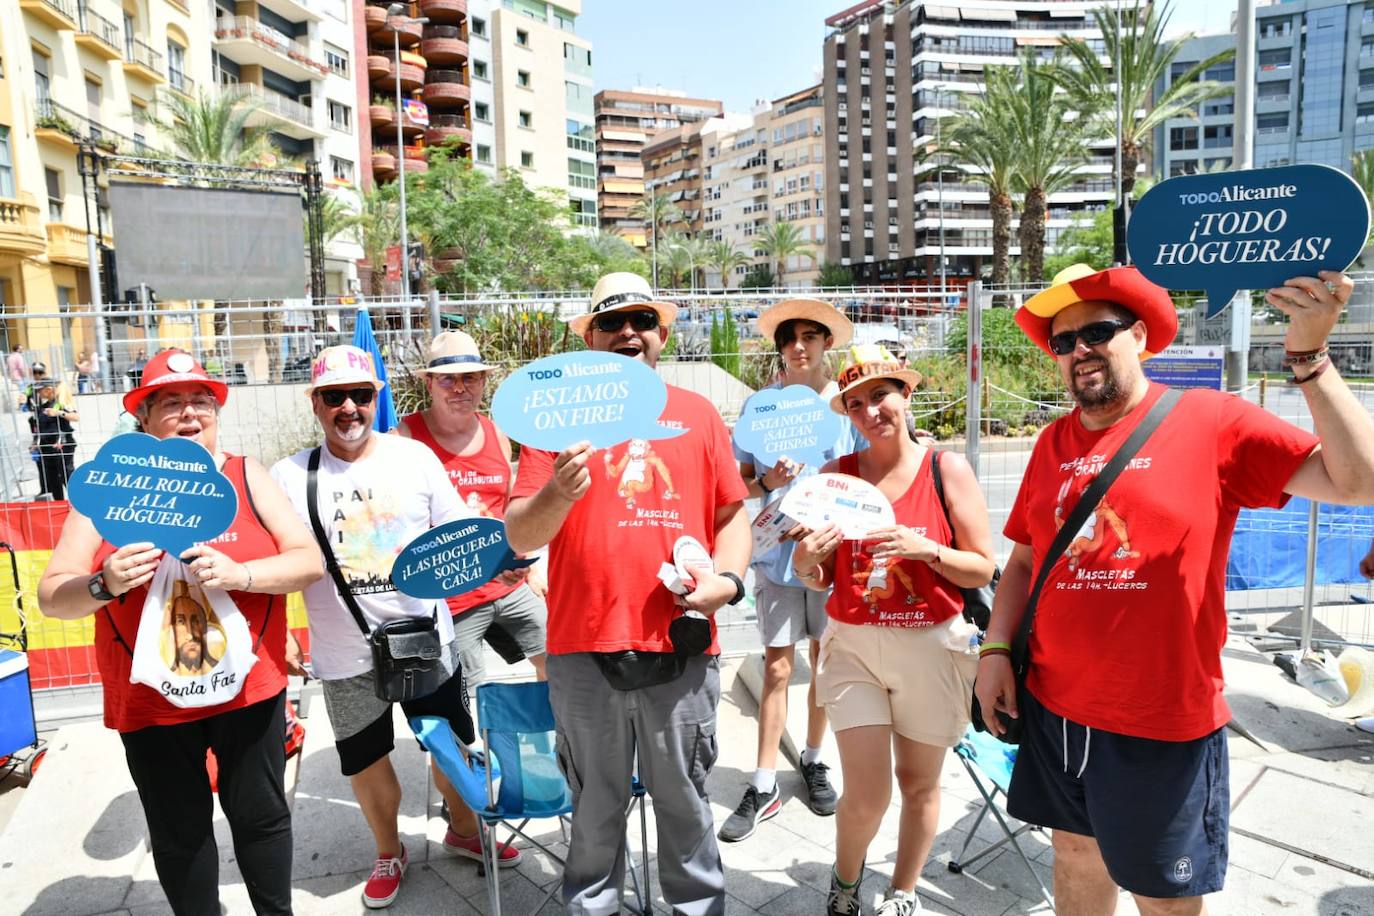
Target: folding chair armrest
[465, 766]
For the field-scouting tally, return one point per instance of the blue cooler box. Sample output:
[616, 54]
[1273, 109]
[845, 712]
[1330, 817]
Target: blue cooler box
[16, 703]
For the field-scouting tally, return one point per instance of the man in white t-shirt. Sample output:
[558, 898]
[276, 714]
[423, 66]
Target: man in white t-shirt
[375, 494]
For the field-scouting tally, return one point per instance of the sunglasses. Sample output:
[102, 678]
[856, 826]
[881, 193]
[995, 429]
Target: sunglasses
[335, 397]
[1099, 332]
[614, 321]
[453, 380]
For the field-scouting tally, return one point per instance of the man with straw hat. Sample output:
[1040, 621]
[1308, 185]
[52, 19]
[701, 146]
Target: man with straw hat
[1124, 752]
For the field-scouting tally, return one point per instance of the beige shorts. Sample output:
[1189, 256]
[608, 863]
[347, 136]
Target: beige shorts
[917, 680]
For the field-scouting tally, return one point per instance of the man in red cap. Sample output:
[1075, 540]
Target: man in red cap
[1123, 752]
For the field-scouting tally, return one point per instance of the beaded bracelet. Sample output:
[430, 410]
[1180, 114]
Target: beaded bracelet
[1316, 371]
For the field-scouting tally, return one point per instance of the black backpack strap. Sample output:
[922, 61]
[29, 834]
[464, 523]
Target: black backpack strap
[312, 490]
[939, 482]
[1087, 503]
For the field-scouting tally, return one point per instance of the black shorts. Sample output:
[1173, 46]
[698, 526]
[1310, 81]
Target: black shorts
[1159, 810]
[362, 723]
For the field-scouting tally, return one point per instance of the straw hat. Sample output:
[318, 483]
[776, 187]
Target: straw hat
[1125, 286]
[812, 310]
[342, 365]
[619, 291]
[170, 367]
[868, 362]
[452, 352]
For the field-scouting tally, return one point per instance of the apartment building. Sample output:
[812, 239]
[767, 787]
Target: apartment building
[893, 72]
[797, 155]
[736, 186]
[625, 121]
[673, 167]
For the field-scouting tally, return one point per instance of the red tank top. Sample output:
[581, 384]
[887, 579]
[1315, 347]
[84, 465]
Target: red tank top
[897, 593]
[483, 481]
[129, 707]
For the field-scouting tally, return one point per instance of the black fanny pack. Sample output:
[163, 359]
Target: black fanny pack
[407, 659]
[631, 669]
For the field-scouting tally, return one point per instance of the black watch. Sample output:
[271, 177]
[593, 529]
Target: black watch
[96, 586]
[739, 587]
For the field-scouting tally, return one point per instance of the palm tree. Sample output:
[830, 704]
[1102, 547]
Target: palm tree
[685, 254]
[982, 142]
[724, 257]
[656, 211]
[378, 225]
[336, 218]
[215, 129]
[1051, 136]
[781, 240]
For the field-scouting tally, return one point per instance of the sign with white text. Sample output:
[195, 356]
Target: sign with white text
[792, 422]
[454, 559]
[1187, 367]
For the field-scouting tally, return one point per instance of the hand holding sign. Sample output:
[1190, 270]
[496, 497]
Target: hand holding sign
[603, 398]
[791, 422]
[164, 491]
[854, 505]
[1251, 229]
[454, 558]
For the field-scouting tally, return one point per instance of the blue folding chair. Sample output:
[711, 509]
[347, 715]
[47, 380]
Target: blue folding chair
[513, 777]
[989, 762]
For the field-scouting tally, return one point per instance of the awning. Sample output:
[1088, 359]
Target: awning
[982, 14]
[631, 135]
[942, 12]
[1038, 41]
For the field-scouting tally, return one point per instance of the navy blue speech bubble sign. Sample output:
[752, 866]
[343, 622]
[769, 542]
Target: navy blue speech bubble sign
[166, 491]
[1251, 229]
[604, 398]
[791, 421]
[454, 559]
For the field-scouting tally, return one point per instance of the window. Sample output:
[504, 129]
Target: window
[526, 119]
[337, 59]
[6, 164]
[522, 38]
[176, 65]
[481, 111]
[522, 78]
[526, 159]
[478, 27]
[1272, 123]
[1178, 68]
[93, 103]
[342, 169]
[483, 153]
[53, 178]
[1182, 138]
[1218, 136]
[566, 23]
[41, 65]
[340, 117]
[1277, 29]
[1279, 58]
[479, 69]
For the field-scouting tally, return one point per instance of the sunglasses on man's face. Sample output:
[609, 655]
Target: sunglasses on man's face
[1099, 332]
[335, 397]
[610, 322]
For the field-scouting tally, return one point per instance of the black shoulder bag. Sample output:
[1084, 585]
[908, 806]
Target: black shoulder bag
[977, 601]
[1087, 502]
[407, 656]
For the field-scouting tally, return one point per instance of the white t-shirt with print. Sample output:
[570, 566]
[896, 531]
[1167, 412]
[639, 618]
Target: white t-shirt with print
[370, 509]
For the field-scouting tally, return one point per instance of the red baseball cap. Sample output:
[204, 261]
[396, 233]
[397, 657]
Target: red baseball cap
[1125, 286]
[169, 367]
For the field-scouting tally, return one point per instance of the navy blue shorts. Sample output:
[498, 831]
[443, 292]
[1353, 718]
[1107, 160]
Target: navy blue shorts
[1159, 810]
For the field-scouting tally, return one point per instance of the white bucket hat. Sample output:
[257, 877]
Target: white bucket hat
[619, 291]
[342, 365]
[453, 352]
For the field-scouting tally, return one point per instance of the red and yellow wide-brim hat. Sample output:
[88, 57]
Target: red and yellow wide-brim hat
[1125, 286]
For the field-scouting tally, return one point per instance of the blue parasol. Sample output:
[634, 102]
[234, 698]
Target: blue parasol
[385, 416]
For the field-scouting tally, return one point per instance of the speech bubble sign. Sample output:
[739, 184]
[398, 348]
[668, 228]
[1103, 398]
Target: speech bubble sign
[1251, 229]
[604, 398]
[166, 491]
[791, 421]
[851, 503]
[454, 558]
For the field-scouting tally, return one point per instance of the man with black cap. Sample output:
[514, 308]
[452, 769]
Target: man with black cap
[619, 690]
[1123, 752]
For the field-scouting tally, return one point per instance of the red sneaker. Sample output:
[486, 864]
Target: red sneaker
[381, 889]
[471, 847]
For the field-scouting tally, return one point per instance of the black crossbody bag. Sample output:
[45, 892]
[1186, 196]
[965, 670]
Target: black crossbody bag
[1087, 503]
[407, 656]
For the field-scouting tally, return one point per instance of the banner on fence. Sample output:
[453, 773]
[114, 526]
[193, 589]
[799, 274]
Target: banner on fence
[1187, 367]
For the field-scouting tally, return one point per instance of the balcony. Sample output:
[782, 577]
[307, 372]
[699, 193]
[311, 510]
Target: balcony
[415, 163]
[399, 28]
[142, 62]
[248, 41]
[383, 164]
[448, 128]
[67, 130]
[67, 244]
[60, 14]
[295, 10]
[181, 83]
[378, 66]
[448, 12]
[19, 232]
[374, 17]
[444, 89]
[293, 117]
[98, 35]
[381, 117]
[411, 72]
[444, 45]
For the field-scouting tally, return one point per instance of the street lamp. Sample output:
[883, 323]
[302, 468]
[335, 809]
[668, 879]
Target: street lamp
[940, 188]
[400, 9]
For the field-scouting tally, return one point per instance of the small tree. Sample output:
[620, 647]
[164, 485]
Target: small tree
[725, 342]
[781, 240]
[833, 274]
[760, 276]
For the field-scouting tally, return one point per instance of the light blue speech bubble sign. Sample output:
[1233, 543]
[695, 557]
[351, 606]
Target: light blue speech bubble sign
[604, 398]
[166, 491]
[1251, 229]
[791, 421]
[454, 558]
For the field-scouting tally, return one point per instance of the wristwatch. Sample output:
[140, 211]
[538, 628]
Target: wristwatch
[739, 587]
[96, 586]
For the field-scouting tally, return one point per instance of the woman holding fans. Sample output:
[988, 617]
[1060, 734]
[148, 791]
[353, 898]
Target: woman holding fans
[897, 660]
[265, 554]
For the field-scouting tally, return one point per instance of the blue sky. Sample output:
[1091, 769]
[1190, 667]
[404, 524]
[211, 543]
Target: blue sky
[742, 50]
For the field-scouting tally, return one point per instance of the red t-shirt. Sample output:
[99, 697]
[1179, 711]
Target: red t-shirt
[898, 593]
[483, 481]
[129, 707]
[604, 593]
[1128, 632]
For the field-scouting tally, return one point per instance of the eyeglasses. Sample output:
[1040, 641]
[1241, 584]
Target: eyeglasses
[335, 397]
[1099, 332]
[201, 404]
[454, 379]
[614, 321]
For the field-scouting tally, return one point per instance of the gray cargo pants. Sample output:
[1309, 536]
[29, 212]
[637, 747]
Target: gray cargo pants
[673, 726]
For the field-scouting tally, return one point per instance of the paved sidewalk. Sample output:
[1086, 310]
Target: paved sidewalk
[1303, 819]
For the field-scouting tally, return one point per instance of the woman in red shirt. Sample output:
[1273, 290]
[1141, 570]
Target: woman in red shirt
[266, 553]
[897, 659]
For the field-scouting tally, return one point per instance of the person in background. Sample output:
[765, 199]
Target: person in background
[53, 441]
[16, 366]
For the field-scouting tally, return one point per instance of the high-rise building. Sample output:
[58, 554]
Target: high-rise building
[797, 154]
[893, 71]
[672, 167]
[625, 121]
[735, 185]
[1183, 146]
